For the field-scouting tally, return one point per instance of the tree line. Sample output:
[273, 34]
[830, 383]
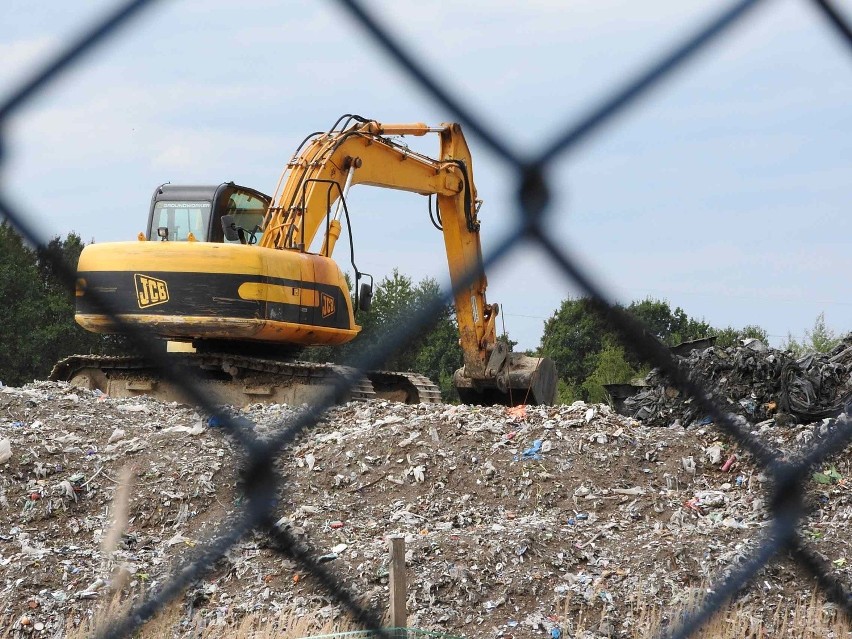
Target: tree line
[37, 310]
[37, 316]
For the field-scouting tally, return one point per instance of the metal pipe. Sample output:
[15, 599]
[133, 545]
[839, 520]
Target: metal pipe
[346, 186]
[416, 128]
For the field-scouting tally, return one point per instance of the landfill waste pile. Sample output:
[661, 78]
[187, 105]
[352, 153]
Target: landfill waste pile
[515, 520]
[753, 381]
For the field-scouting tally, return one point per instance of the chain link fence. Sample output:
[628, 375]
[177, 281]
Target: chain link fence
[261, 485]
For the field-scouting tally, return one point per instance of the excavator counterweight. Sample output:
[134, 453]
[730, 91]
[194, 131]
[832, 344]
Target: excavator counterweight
[238, 281]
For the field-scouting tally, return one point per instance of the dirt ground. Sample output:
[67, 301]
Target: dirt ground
[604, 515]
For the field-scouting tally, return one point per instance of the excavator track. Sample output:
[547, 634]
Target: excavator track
[405, 387]
[237, 380]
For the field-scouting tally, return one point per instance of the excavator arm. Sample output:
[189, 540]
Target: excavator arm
[309, 202]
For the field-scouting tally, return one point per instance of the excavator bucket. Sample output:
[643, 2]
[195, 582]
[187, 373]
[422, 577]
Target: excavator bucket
[521, 380]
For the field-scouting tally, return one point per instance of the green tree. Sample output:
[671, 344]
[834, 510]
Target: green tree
[57, 262]
[38, 310]
[820, 339]
[572, 338]
[439, 354]
[568, 393]
[612, 368]
[587, 351]
[21, 310]
[395, 299]
[730, 336]
[671, 326]
[62, 336]
[590, 353]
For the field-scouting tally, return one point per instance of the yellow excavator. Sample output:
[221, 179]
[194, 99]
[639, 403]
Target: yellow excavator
[236, 282]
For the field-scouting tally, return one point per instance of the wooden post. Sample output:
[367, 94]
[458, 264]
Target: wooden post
[397, 583]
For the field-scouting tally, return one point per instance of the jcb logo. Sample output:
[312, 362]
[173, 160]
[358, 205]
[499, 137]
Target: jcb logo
[326, 305]
[150, 291]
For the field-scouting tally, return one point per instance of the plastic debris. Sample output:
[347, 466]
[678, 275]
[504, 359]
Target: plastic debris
[758, 382]
[534, 451]
[610, 507]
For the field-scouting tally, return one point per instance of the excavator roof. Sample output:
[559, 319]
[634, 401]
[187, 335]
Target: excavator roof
[188, 192]
[198, 192]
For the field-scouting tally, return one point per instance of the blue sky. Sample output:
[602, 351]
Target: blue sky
[726, 192]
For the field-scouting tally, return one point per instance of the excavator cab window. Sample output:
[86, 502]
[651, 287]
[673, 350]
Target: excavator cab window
[180, 219]
[245, 212]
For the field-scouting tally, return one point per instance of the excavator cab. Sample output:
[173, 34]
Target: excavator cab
[178, 211]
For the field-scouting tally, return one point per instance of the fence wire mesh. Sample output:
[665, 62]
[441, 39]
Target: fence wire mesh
[261, 484]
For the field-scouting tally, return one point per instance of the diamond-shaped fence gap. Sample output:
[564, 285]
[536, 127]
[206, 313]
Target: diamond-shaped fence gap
[651, 349]
[397, 52]
[259, 509]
